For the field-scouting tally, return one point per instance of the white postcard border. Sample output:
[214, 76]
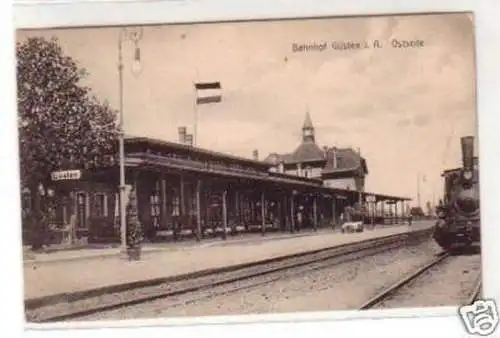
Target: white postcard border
[108, 13]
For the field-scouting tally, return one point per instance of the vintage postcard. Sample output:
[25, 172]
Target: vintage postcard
[251, 167]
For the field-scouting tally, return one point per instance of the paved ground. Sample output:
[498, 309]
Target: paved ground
[54, 254]
[66, 271]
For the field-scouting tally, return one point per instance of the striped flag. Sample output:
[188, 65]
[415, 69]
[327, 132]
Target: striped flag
[208, 92]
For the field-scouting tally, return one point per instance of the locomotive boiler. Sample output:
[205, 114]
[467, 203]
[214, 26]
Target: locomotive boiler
[458, 224]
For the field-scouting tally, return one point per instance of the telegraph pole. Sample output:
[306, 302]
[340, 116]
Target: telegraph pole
[133, 35]
[418, 190]
[360, 194]
[360, 173]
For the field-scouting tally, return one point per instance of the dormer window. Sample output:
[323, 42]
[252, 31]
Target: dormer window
[308, 172]
[281, 167]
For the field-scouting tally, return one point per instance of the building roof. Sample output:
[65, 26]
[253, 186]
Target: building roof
[346, 159]
[192, 149]
[154, 162]
[307, 152]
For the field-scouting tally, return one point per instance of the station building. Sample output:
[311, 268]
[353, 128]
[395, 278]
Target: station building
[186, 191]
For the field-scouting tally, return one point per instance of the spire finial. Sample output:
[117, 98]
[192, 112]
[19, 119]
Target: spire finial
[307, 122]
[308, 129]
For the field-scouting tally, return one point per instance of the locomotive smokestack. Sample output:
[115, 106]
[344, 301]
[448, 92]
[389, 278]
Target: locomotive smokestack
[467, 152]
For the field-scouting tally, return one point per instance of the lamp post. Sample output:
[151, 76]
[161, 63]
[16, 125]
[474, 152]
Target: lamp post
[134, 35]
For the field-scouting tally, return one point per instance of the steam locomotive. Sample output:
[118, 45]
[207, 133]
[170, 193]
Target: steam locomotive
[458, 224]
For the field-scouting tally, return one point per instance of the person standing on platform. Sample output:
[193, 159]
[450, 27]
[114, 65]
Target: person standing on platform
[299, 218]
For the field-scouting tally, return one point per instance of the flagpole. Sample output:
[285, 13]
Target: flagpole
[195, 110]
[195, 122]
[360, 178]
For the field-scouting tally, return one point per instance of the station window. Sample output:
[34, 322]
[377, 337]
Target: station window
[81, 209]
[155, 209]
[193, 205]
[176, 205]
[26, 204]
[100, 205]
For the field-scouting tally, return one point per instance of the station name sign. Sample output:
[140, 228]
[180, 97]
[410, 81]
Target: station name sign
[65, 175]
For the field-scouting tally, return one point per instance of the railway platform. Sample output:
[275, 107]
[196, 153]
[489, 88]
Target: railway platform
[79, 270]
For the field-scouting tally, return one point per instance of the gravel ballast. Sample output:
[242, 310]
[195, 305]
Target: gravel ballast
[340, 287]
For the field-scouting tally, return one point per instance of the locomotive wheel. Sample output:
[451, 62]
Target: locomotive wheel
[442, 239]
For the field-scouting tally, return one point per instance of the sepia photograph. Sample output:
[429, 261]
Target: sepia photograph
[248, 167]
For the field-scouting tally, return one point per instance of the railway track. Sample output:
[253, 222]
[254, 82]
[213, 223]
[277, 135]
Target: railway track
[476, 291]
[399, 285]
[244, 276]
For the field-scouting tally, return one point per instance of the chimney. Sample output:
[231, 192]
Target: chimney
[255, 154]
[331, 157]
[467, 143]
[182, 134]
[189, 139]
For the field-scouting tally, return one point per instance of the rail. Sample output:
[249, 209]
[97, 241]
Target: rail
[393, 289]
[77, 305]
[398, 285]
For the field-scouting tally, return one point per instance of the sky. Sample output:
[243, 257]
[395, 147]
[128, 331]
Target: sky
[405, 108]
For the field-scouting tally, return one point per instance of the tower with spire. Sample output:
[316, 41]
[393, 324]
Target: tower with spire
[308, 129]
[342, 168]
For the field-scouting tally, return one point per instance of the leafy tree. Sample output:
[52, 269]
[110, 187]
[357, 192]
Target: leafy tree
[61, 125]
